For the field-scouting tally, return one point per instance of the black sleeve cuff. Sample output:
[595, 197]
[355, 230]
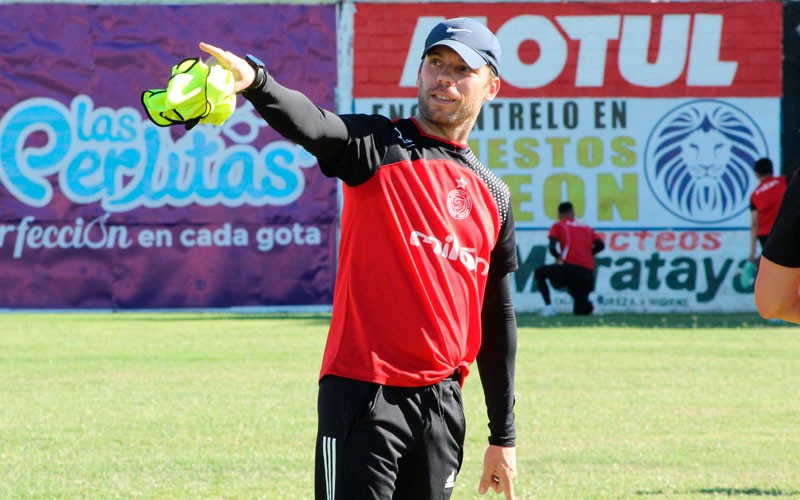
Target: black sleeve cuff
[506, 443]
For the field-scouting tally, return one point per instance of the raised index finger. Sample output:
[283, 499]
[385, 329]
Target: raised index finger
[211, 49]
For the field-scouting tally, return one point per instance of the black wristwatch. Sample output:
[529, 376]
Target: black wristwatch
[261, 73]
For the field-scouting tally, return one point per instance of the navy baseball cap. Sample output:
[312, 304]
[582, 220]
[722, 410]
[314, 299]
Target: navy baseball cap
[474, 42]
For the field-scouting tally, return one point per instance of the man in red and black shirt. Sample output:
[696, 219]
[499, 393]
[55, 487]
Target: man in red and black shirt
[764, 203]
[573, 244]
[422, 290]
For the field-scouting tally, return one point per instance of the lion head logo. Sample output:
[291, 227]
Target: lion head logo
[698, 160]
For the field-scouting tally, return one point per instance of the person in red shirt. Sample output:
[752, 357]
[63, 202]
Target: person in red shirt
[423, 281]
[764, 204]
[573, 244]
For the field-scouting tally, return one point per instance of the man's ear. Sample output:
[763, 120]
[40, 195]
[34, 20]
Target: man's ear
[494, 88]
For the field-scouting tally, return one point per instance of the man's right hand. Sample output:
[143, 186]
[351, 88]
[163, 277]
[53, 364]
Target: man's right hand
[243, 73]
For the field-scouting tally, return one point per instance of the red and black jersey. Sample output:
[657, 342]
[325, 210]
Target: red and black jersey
[766, 199]
[422, 223]
[576, 240]
[427, 245]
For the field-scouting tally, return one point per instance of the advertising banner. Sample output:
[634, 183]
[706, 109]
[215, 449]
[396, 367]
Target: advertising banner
[101, 208]
[648, 117]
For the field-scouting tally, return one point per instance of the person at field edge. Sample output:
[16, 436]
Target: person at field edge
[423, 287]
[777, 287]
[764, 203]
[574, 245]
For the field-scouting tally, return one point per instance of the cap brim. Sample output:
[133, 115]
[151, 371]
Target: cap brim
[472, 58]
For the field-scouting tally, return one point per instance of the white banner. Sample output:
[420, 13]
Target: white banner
[649, 271]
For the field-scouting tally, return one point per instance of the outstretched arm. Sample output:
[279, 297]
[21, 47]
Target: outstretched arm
[292, 114]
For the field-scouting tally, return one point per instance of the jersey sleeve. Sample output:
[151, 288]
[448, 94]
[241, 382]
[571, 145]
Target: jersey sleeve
[783, 242]
[497, 359]
[554, 233]
[293, 115]
[504, 254]
[349, 147]
[368, 140]
[497, 355]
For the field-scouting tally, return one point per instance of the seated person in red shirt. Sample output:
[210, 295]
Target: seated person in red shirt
[574, 245]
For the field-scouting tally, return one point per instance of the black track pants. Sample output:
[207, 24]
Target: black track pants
[382, 442]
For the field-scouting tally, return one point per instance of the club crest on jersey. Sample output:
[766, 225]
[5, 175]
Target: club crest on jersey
[459, 204]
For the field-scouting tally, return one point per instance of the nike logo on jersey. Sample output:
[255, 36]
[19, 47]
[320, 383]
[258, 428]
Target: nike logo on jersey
[407, 143]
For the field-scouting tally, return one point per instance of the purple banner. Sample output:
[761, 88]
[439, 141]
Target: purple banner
[100, 208]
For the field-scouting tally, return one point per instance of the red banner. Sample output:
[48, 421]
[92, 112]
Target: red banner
[600, 49]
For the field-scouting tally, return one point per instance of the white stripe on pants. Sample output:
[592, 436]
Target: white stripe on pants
[329, 457]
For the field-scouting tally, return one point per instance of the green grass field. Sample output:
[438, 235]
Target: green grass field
[187, 405]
